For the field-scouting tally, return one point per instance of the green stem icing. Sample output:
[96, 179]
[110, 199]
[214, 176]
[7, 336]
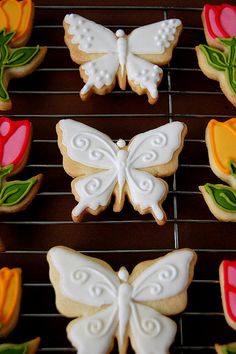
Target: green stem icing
[223, 61]
[14, 348]
[13, 192]
[4, 171]
[232, 168]
[223, 196]
[11, 58]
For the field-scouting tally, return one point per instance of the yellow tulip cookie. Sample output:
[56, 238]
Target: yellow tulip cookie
[16, 18]
[221, 145]
[10, 296]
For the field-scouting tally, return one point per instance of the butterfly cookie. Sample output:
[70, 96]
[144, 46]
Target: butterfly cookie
[105, 55]
[102, 168]
[118, 305]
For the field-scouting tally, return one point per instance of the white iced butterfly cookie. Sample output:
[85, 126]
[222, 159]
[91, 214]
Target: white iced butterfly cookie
[118, 304]
[105, 55]
[102, 168]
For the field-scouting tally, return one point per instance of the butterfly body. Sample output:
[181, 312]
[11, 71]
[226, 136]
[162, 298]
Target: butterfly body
[121, 306]
[105, 55]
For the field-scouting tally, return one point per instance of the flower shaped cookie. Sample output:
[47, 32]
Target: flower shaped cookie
[14, 149]
[218, 60]
[16, 61]
[221, 144]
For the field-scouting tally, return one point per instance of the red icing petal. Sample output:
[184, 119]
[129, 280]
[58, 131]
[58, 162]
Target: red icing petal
[232, 275]
[5, 128]
[229, 274]
[15, 147]
[228, 20]
[232, 305]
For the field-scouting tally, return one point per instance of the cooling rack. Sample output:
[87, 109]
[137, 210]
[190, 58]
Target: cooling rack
[126, 238]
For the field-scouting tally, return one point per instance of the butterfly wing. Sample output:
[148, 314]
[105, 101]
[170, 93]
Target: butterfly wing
[157, 150]
[143, 76]
[164, 279]
[88, 37]
[94, 334]
[150, 332]
[149, 44]
[86, 151]
[157, 39]
[146, 193]
[152, 152]
[94, 46]
[80, 282]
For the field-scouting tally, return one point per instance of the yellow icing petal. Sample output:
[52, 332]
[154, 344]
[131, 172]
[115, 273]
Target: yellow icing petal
[10, 286]
[223, 143]
[26, 15]
[3, 20]
[13, 11]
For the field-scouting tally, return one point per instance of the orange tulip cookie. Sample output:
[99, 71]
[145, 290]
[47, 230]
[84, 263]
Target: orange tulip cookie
[16, 18]
[10, 296]
[221, 144]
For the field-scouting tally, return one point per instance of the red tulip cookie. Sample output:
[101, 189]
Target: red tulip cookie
[218, 60]
[15, 138]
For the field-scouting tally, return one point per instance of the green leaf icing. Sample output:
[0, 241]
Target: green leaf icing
[14, 348]
[224, 197]
[214, 57]
[21, 56]
[5, 170]
[232, 168]
[11, 58]
[228, 350]
[223, 61]
[13, 192]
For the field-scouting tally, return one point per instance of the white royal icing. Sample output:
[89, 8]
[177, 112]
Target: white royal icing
[150, 330]
[92, 148]
[121, 50]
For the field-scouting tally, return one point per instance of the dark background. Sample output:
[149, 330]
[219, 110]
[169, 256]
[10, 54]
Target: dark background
[125, 238]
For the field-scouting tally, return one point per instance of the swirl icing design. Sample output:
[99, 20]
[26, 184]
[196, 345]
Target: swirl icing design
[120, 167]
[122, 299]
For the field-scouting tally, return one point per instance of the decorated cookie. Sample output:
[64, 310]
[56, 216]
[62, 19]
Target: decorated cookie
[102, 168]
[221, 145]
[10, 296]
[15, 139]
[105, 55]
[17, 61]
[218, 59]
[24, 348]
[109, 305]
[228, 291]
[226, 348]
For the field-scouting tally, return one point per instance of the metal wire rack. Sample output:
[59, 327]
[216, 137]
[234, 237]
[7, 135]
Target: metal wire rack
[51, 93]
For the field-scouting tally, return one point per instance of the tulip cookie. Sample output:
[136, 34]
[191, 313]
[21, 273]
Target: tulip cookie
[102, 168]
[109, 305]
[15, 138]
[221, 145]
[134, 57]
[17, 61]
[24, 348]
[226, 348]
[218, 60]
[10, 296]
